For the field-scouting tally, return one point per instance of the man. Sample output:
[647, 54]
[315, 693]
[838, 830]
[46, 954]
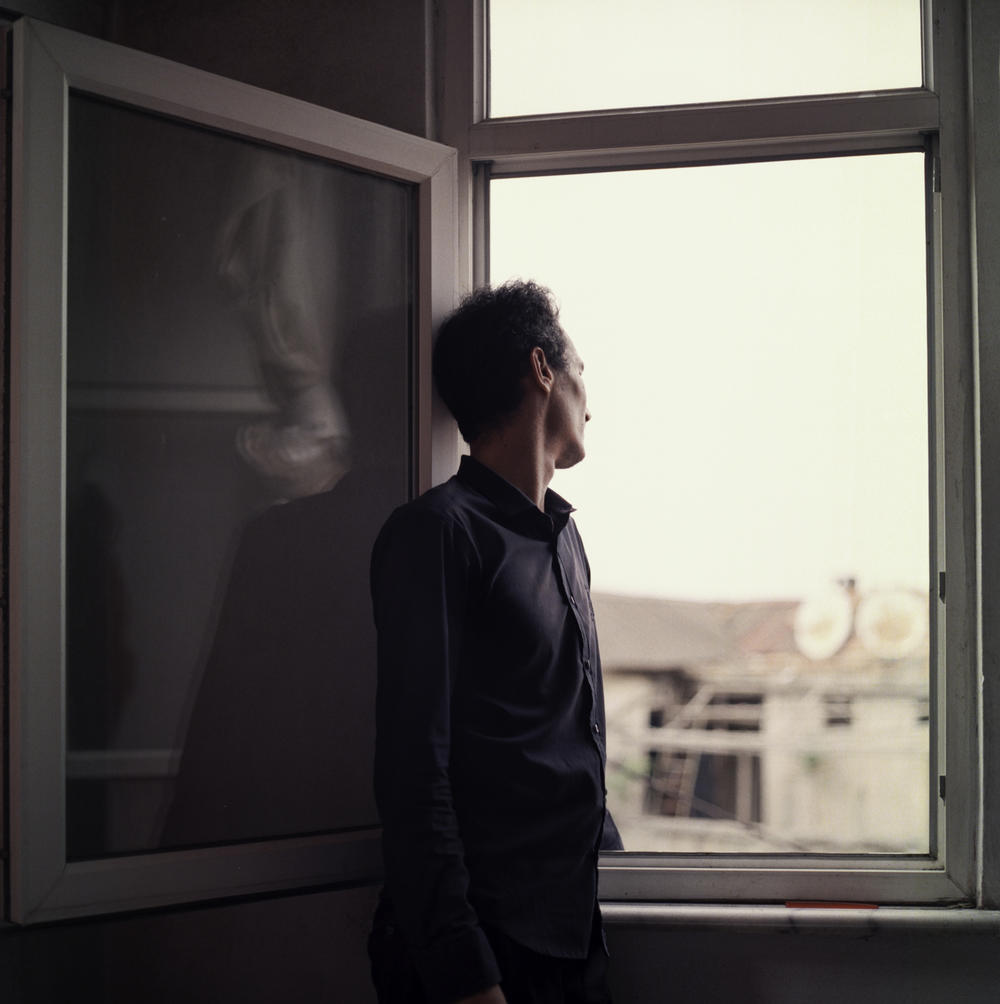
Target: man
[489, 766]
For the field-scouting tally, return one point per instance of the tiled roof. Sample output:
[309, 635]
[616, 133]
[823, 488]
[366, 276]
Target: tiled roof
[650, 634]
[638, 632]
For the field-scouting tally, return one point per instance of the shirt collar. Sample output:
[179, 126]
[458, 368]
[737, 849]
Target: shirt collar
[510, 500]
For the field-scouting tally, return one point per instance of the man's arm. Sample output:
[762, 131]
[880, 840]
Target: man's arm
[421, 569]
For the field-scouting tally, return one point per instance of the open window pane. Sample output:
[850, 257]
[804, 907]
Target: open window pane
[755, 497]
[208, 280]
[574, 55]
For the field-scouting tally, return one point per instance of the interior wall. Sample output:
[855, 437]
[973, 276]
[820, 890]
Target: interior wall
[365, 58]
[652, 966]
[291, 949]
[362, 57]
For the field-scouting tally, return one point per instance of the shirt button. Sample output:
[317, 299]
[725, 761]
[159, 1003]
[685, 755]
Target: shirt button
[597, 729]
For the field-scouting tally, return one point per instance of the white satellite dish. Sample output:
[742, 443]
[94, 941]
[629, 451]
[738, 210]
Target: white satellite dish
[823, 623]
[891, 624]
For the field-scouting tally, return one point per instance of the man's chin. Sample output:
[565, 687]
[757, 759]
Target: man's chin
[570, 460]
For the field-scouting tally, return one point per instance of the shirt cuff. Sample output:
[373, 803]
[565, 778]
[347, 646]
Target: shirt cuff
[458, 967]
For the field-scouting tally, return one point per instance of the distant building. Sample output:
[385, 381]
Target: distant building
[768, 726]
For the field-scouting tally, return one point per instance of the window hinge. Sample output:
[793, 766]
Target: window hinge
[941, 586]
[936, 174]
[941, 787]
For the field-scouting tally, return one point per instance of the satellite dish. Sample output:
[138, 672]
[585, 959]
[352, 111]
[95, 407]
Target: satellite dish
[891, 624]
[823, 623]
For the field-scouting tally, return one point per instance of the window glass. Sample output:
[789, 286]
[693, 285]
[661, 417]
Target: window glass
[573, 55]
[231, 308]
[755, 497]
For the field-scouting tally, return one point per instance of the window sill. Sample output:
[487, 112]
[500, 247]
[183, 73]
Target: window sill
[862, 921]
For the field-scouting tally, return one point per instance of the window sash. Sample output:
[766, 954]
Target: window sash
[48, 62]
[525, 234]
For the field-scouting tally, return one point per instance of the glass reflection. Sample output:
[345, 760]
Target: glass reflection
[237, 429]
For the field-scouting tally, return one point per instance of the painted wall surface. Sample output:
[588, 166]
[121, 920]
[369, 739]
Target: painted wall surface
[311, 949]
[368, 58]
[362, 58]
[292, 949]
[684, 967]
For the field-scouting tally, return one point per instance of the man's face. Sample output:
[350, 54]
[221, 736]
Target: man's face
[568, 412]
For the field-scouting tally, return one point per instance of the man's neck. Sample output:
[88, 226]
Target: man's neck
[517, 458]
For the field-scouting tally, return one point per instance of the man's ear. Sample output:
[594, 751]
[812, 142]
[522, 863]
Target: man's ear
[541, 372]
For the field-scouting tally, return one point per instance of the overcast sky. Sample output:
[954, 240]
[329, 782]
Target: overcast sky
[755, 344]
[572, 55]
[754, 335]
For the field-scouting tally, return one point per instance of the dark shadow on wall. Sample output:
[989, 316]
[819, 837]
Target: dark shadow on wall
[298, 949]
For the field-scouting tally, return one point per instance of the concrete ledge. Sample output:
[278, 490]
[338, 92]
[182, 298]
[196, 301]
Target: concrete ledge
[857, 920]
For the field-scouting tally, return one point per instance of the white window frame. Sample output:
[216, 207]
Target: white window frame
[959, 36]
[48, 62]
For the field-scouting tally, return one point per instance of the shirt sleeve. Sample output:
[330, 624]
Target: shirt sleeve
[420, 573]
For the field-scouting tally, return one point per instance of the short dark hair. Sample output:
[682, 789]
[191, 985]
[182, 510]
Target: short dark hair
[483, 352]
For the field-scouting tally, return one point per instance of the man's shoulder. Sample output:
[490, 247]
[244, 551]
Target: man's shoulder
[445, 505]
[442, 500]
[432, 529]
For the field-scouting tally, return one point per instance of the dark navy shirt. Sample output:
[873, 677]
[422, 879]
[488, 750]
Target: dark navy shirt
[489, 766]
